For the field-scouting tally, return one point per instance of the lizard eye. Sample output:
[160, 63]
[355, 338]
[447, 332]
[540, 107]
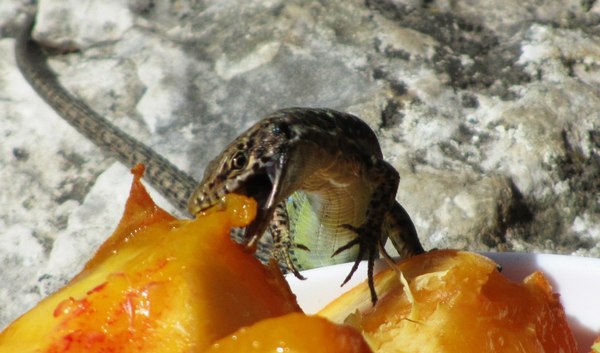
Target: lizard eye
[239, 160]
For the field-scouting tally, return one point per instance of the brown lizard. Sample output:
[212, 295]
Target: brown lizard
[322, 185]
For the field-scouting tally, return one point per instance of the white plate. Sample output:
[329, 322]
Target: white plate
[576, 279]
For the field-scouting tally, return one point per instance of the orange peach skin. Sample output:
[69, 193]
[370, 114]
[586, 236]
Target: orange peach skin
[157, 285]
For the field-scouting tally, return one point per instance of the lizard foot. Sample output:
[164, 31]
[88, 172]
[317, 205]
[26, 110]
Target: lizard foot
[281, 252]
[367, 242]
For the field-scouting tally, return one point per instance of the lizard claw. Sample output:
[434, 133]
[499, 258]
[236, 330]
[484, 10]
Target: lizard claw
[302, 247]
[367, 243]
[281, 252]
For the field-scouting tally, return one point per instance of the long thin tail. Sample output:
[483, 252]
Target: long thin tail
[169, 180]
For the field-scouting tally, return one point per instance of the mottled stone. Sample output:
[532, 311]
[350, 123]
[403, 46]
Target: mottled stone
[488, 109]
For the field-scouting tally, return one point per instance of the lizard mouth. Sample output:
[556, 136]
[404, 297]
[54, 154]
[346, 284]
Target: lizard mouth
[265, 186]
[260, 187]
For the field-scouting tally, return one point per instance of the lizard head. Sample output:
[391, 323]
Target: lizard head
[251, 165]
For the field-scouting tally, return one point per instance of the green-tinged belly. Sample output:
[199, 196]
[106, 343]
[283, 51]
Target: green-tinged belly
[315, 222]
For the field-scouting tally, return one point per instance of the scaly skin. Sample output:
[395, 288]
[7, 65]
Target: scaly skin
[325, 169]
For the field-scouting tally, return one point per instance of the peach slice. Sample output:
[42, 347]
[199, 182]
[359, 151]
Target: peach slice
[455, 301]
[293, 333]
[158, 284]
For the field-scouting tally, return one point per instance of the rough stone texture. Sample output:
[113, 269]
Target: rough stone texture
[489, 110]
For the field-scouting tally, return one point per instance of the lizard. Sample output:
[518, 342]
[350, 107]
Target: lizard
[323, 160]
[318, 175]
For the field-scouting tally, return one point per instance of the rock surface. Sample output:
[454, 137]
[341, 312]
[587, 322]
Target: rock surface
[490, 111]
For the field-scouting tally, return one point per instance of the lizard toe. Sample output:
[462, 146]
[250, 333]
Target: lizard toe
[282, 255]
[367, 241]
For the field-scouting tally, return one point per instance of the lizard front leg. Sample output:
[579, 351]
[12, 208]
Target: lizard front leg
[282, 241]
[370, 235]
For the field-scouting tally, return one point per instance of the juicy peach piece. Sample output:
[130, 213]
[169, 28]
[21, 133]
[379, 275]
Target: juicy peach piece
[456, 302]
[157, 285]
[293, 333]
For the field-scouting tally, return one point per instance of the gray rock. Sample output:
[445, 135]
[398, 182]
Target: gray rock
[489, 112]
